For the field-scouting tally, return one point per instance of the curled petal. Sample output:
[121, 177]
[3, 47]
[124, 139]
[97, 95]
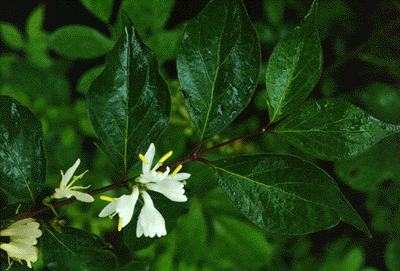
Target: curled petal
[71, 193]
[108, 210]
[170, 188]
[181, 176]
[150, 221]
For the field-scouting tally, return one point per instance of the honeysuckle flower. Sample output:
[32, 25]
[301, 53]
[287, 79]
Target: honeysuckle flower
[150, 221]
[23, 238]
[123, 206]
[67, 190]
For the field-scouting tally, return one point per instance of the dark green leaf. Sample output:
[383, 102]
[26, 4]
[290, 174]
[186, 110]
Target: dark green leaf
[294, 68]
[22, 159]
[392, 255]
[170, 210]
[218, 65]
[333, 130]
[102, 9]
[87, 79]
[79, 42]
[11, 36]
[285, 194]
[75, 249]
[129, 103]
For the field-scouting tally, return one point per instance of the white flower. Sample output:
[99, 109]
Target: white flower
[150, 221]
[23, 236]
[123, 206]
[67, 190]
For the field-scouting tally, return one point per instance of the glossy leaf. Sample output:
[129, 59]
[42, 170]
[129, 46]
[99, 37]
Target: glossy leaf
[75, 249]
[333, 130]
[218, 65]
[79, 42]
[128, 103]
[285, 194]
[294, 68]
[11, 36]
[22, 158]
[102, 9]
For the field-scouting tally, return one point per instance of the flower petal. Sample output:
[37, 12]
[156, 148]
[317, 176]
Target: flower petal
[126, 206]
[170, 188]
[70, 172]
[108, 210]
[149, 157]
[150, 221]
[181, 176]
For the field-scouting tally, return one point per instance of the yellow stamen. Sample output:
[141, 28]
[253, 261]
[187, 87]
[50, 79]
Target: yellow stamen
[165, 157]
[143, 159]
[16, 212]
[176, 171]
[106, 198]
[119, 224]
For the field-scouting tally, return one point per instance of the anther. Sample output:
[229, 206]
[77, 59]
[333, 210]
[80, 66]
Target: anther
[176, 171]
[106, 198]
[143, 159]
[165, 157]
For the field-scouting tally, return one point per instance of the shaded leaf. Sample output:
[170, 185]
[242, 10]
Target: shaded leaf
[128, 103]
[11, 36]
[285, 194]
[75, 249]
[22, 158]
[294, 68]
[218, 65]
[102, 9]
[79, 42]
[333, 130]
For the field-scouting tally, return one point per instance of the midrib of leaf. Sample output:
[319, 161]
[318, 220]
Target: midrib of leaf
[127, 110]
[215, 77]
[59, 241]
[289, 80]
[20, 171]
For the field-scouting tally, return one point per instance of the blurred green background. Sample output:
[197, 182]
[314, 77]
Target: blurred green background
[51, 51]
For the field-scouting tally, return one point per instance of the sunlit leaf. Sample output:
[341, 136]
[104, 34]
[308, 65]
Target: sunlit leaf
[285, 194]
[332, 129]
[218, 65]
[294, 68]
[128, 103]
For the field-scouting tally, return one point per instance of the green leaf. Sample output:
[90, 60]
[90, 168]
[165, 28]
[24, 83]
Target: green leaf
[11, 36]
[294, 68]
[87, 79]
[79, 42]
[22, 158]
[102, 9]
[129, 103]
[285, 194]
[244, 240]
[218, 65]
[333, 130]
[366, 171]
[170, 210]
[75, 249]
[392, 255]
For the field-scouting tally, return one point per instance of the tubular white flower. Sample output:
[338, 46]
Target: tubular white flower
[67, 190]
[123, 206]
[23, 236]
[150, 221]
